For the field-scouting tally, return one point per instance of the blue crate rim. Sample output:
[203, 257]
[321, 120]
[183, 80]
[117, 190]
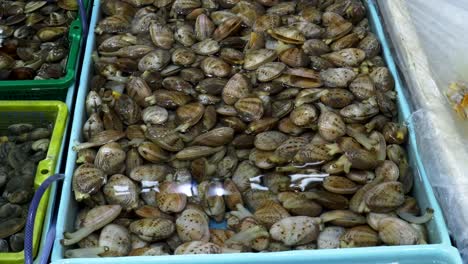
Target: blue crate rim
[444, 248]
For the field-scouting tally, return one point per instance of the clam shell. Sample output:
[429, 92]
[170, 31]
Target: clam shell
[295, 230]
[270, 71]
[87, 179]
[216, 137]
[152, 229]
[385, 197]
[249, 109]
[236, 88]
[256, 58]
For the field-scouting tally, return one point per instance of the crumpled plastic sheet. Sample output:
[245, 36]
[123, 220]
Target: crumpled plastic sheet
[429, 39]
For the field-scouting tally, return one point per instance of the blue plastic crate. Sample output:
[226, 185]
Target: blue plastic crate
[439, 251]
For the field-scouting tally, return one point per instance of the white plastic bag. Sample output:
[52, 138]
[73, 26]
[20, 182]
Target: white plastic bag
[430, 39]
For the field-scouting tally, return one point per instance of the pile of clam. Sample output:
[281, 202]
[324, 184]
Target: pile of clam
[275, 118]
[34, 38]
[20, 152]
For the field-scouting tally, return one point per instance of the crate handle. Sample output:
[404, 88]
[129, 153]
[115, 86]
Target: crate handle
[29, 230]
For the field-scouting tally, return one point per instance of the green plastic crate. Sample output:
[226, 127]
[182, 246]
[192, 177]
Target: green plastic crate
[51, 89]
[38, 113]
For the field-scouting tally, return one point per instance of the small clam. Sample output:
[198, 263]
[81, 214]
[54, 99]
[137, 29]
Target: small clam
[152, 229]
[232, 195]
[192, 225]
[346, 57]
[382, 79]
[266, 22]
[337, 77]
[362, 87]
[395, 133]
[287, 35]
[185, 35]
[315, 47]
[394, 231]
[161, 35]
[204, 27]
[345, 218]
[270, 71]
[256, 58]
[110, 158]
[236, 88]
[359, 236]
[269, 140]
[330, 125]
[32, 6]
[95, 219]
[232, 56]
[270, 213]
[87, 179]
[304, 115]
[183, 56]
[206, 47]
[337, 98]
[385, 197]
[294, 57]
[340, 185]
[164, 137]
[71, 5]
[121, 190]
[154, 60]
[171, 198]
[213, 66]
[212, 199]
[360, 111]
[296, 230]
[216, 137]
[168, 99]
[347, 41]
[154, 115]
[51, 33]
[188, 115]
[330, 237]
[249, 109]
[227, 27]
[370, 45]
[116, 238]
[152, 152]
[197, 247]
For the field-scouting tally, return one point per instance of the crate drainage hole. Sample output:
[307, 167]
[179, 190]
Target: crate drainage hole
[44, 171]
[76, 27]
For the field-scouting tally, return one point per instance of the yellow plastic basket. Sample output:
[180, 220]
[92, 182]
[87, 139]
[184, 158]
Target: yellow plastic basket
[38, 113]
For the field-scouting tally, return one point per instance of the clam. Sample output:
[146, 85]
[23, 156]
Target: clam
[249, 108]
[330, 237]
[87, 179]
[110, 158]
[256, 58]
[270, 71]
[296, 230]
[236, 88]
[121, 190]
[213, 66]
[152, 229]
[216, 137]
[192, 225]
[287, 35]
[95, 219]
